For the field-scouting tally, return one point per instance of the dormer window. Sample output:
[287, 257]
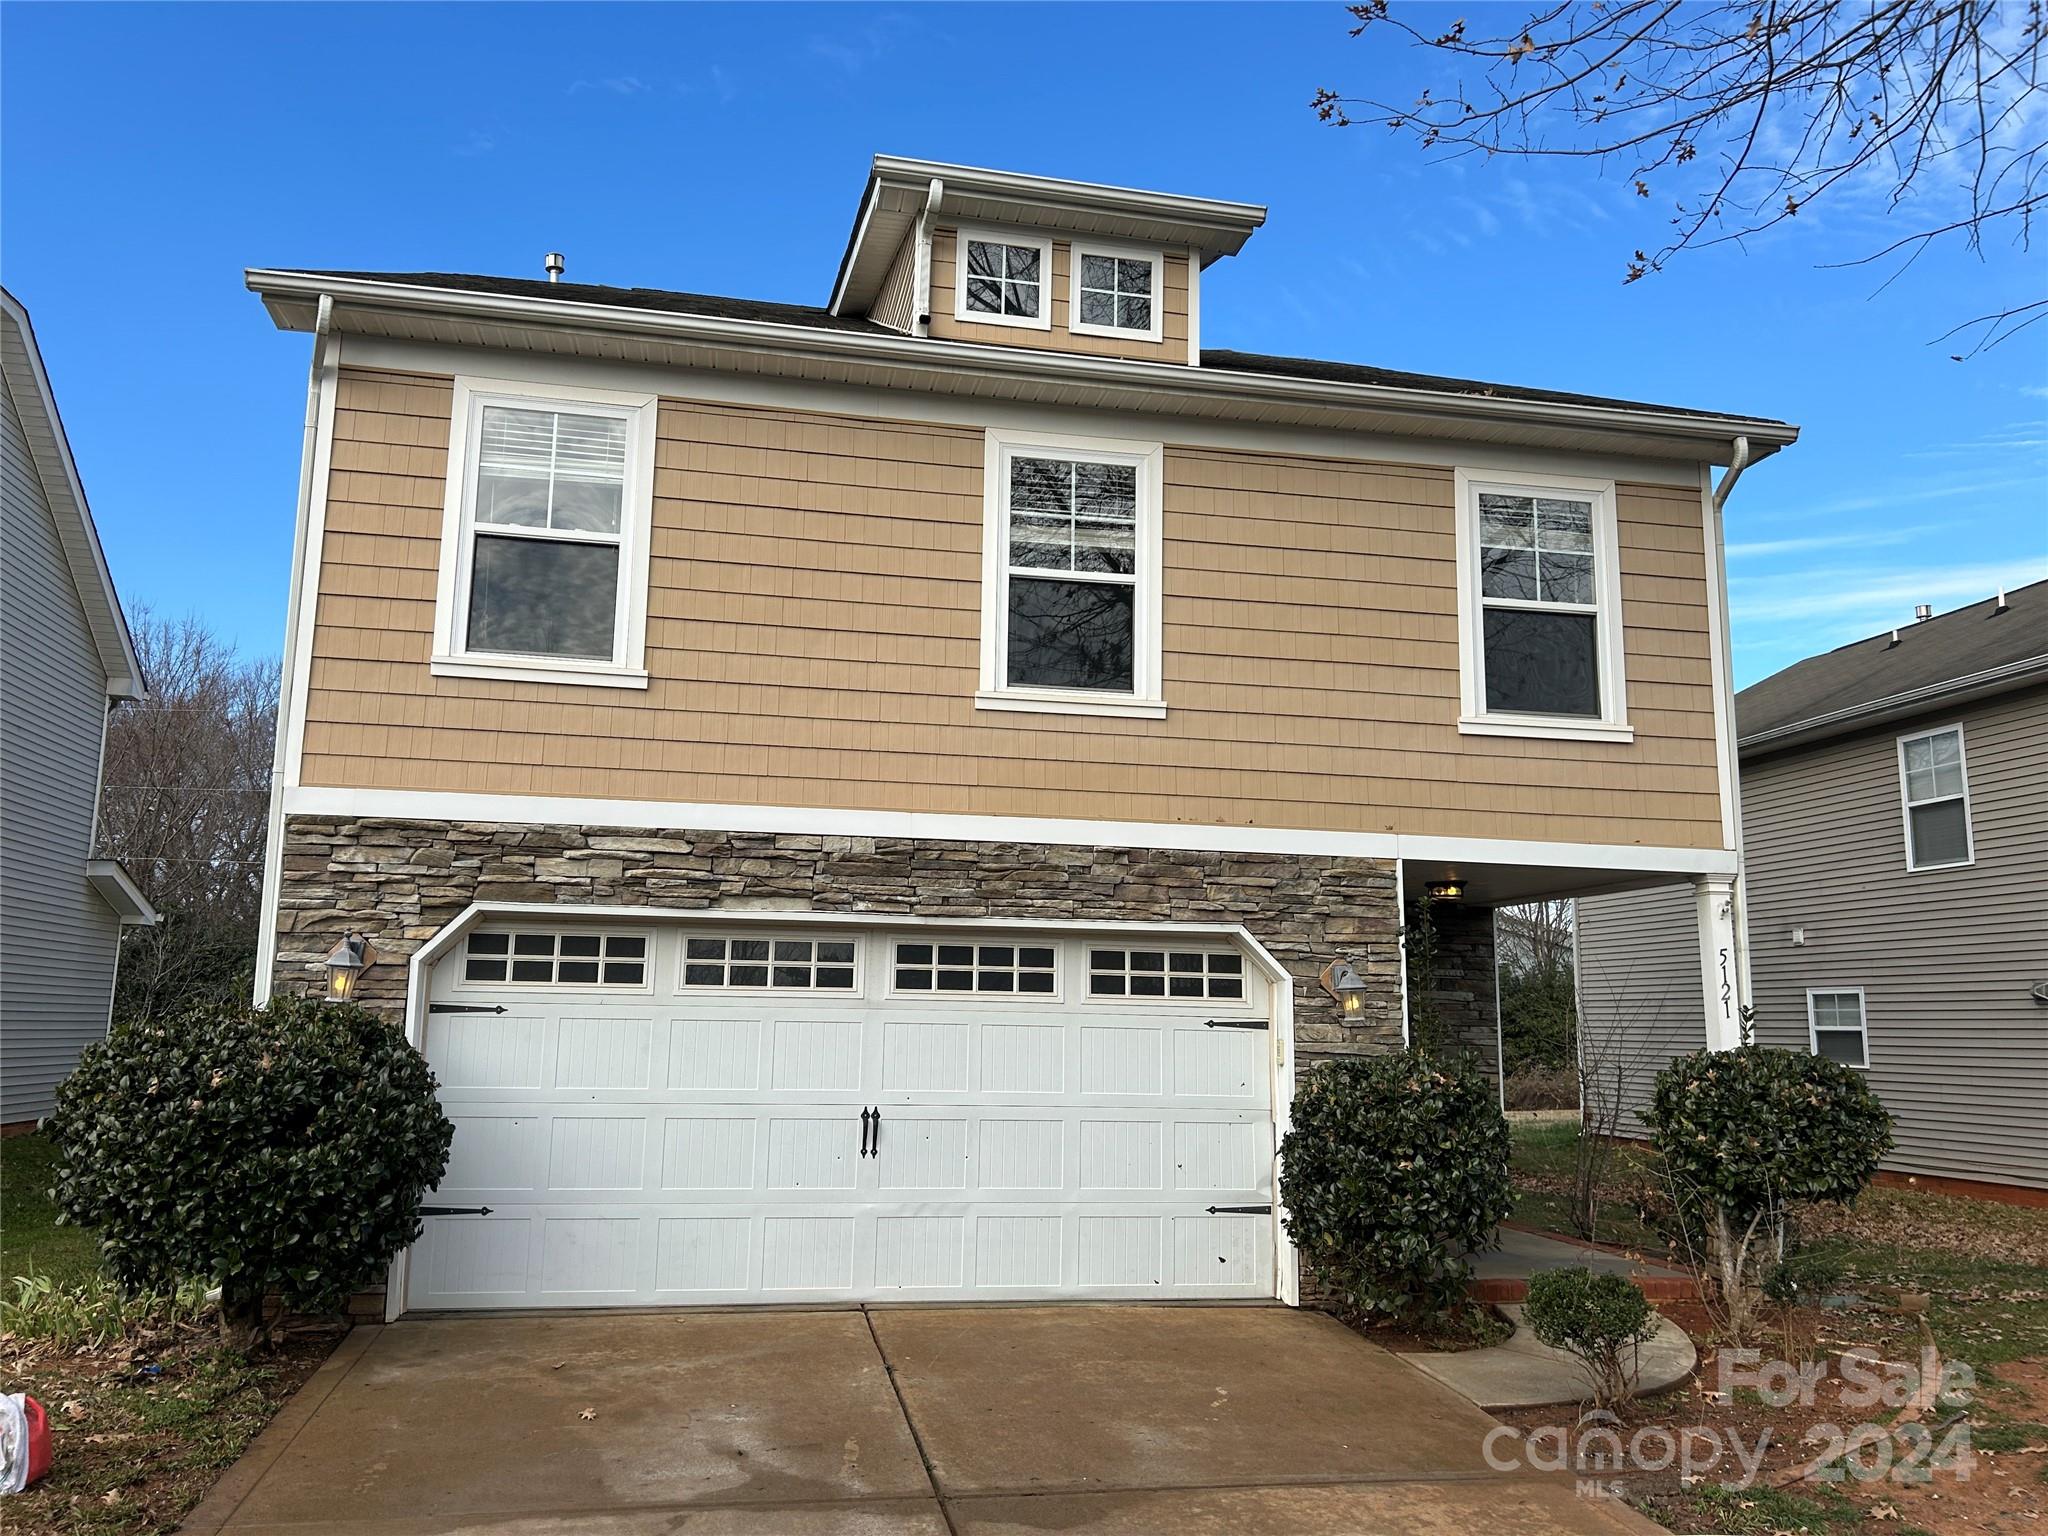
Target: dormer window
[1003, 280]
[1115, 293]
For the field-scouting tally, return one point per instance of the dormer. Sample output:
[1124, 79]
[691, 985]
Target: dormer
[964, 254]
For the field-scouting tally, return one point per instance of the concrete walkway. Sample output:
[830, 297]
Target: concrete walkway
[1501, 1274]
[938, 1421]
[1524, 1373]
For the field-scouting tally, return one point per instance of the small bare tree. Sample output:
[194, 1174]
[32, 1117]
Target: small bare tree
[184, 807]
[1620, 1050]
[1744, 114]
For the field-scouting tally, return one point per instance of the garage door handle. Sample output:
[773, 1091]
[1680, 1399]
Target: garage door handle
[865, 1125]
[876, 1149]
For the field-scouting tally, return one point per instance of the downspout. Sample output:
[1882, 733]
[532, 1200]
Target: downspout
[921, 266]
[273, 838]
[1738, 461]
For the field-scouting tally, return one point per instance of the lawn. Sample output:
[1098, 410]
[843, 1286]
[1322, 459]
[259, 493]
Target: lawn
[30, 1238]
[145, 1408]
[1985, 1268]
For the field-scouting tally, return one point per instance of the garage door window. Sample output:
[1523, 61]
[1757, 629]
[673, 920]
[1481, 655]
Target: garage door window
[1013, 968]
[1165, 973]
[824, 965]
[556, 959]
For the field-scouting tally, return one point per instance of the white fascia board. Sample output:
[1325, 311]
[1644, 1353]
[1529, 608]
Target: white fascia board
[1227, 218]
[117, 888]
[944, 362]
[662, 815]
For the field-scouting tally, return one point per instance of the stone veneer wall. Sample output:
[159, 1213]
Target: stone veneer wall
[400, 882]
[1464, 989]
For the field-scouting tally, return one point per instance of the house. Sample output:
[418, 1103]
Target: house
[879, 799]
[1895, 827]
[68, 660]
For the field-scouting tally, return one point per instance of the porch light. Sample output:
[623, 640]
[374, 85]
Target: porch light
[345, 962]
[1446, 890]
[1341, 980]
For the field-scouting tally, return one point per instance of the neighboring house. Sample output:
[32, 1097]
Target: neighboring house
[856, 801]
[67, 660]
[1895, 827]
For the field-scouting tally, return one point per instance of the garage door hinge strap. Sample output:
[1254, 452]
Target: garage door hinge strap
[1238, 1210]
[1237, 1024]
[455, 1210]
[465, 1007]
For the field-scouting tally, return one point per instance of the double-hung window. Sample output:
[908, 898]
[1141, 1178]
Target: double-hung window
[1071, 573]
[1539, 602]
[1115, 293]
[1003, 279]
[1935, 786]
[544, 549]
[1836, 1027]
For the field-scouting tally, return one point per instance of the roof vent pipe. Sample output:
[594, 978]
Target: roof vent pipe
[555, 264]
[2000, 605]
[1893, 641]
[1922, 612]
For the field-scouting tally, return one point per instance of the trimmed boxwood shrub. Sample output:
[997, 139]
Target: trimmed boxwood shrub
[1396, 1167]
[1600, 1320]
[283, 1148]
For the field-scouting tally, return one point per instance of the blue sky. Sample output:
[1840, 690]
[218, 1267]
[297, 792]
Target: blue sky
[151, 153]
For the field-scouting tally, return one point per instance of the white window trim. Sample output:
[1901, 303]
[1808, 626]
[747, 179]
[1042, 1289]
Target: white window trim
[1061, 961]
[1043, 321]
[1121, 1000]
[600, 987]
[1154, 332]
[1145, 701]
[857, 991]
[451, 658]
[1474, 719]
[1907, 802]
[1862, 1024]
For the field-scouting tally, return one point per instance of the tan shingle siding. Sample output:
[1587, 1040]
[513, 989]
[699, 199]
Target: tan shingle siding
[1172, 346]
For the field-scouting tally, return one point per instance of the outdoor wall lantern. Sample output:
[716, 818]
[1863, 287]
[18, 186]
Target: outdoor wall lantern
[1341, 980]
[345, 963]
[1446, 890]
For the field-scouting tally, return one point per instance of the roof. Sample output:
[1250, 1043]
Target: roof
[716, 306]
[900, 189]
[21, 360]
[1971, 651]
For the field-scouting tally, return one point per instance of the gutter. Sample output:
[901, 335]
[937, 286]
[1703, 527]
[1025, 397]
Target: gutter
[947, 360]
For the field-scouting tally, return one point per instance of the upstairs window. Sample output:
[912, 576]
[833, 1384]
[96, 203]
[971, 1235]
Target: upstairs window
[1071, 595]
[1115, 293]
[1936, 789]
[544, 554]
[1540, 597]
[1002, 280]
[1836, 1028]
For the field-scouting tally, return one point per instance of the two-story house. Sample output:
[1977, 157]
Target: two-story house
[877, 800]
[1895, 834]
[68, 661]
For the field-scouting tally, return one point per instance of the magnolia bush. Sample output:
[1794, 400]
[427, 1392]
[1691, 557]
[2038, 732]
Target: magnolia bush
[1396, 1169]
[279, 1149]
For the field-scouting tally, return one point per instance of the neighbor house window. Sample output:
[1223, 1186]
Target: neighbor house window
[1004, 280]
[1835, 1023]
[1937, 794]
[1016, 968]
[556, 959]
[544, 559]
[1540, 600]
[823, 965]
[1184, 973]
[1115, 294]
[1071, 576]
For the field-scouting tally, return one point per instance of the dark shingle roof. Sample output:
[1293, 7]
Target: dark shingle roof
[1961, 644]
[665, 301]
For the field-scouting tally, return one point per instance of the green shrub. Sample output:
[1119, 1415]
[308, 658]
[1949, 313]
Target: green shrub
[1396, 1167]
[282, 1148]
[1600, 1320]
[1744, 1134]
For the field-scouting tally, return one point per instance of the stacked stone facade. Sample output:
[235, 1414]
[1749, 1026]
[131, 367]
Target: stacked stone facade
[400, 882]
[1457, 981]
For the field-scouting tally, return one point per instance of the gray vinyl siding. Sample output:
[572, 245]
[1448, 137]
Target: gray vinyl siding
[58, 939]
[1945, 958]
[1640, 1000]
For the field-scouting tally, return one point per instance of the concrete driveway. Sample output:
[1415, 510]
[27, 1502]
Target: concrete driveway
[943, 1421]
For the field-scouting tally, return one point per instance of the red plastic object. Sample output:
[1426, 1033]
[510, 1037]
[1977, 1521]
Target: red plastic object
[38, 1440]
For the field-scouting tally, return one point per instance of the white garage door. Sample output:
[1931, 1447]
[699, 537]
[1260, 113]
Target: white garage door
[687, 1116]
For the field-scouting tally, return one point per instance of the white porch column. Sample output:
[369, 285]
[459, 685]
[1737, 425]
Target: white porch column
[1720, 963]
